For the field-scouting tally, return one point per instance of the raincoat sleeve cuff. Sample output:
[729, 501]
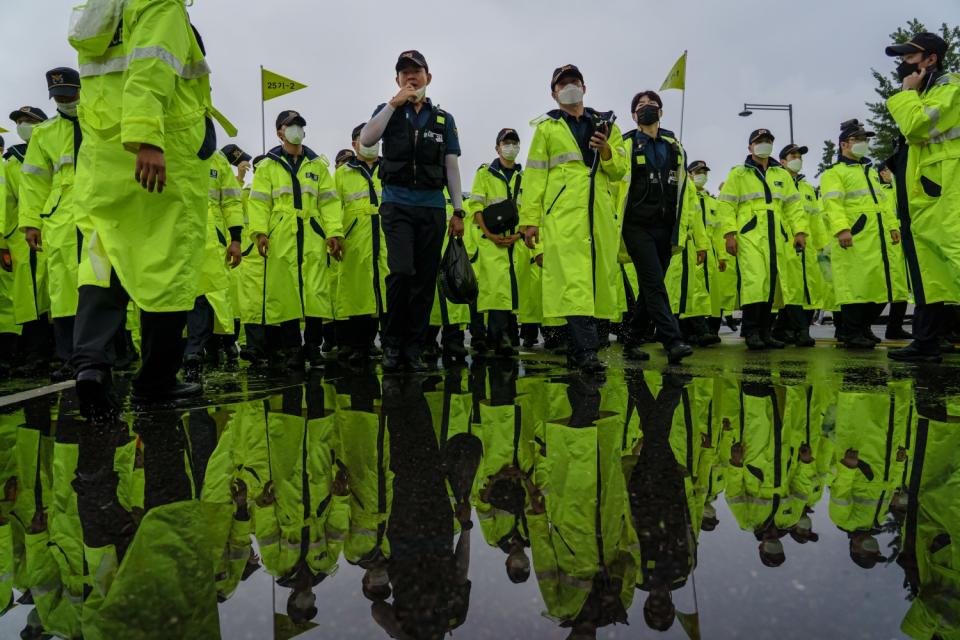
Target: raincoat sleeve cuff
[136, 131]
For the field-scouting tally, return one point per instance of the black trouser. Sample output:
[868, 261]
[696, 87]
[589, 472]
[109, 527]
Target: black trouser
[928, 326]
[898, 311]
[478, 331]
[756, 319]
[414, 241]
[582, 336]
[199, 327]
[313, 331]
[858, 318]
[102, 312]
[650, 249]
[451, 334]
[359, 332]
[266, 338]
[530, 332]
[63, 338]
[499, 326]
[36, 340]
[792, 317]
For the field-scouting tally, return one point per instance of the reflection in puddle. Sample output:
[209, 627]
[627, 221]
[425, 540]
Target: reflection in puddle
[542, 504]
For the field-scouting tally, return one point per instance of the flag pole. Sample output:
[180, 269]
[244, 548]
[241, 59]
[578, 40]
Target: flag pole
[263, 118]
[683, 98]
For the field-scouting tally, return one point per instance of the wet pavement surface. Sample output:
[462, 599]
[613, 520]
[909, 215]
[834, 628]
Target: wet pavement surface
[792, 494]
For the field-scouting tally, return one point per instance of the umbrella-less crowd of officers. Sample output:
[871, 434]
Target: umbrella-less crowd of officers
[600, 496]
[108, 209]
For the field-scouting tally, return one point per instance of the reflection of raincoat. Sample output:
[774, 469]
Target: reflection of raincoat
[932, 531]
[875, 425]
[769, 488]
[584, 532]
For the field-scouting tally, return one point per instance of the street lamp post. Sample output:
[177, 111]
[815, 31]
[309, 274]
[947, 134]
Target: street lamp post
[749, 108]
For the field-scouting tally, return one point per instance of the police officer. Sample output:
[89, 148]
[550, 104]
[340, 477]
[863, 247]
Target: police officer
[927, 169]
[343, 157]
[420, 150]
[144, 237]
[802, 268]
[31, 301]
[759, 203]
[659, 200]
[47, 202]
[897, 310]
[575, 158]
[864, 229]
[500, 259]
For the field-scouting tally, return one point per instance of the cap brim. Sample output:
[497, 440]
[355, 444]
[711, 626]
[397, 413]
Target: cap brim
[16, 115]
[802, 150]
[409, 63]
[64, 90]
[509, 136]
[245, 158]
[766, 136]
[294, 120]
[902, 50]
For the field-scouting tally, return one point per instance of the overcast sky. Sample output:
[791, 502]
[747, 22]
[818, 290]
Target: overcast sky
[491, 62]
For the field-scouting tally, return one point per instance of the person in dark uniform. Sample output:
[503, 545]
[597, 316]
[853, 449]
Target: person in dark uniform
[653, 209]
[420, 150]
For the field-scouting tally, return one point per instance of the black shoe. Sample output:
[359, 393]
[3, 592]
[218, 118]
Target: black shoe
[94, 392]
[374, 351]
[755, 343]
[455, 350]
[231, 352]
[479, 345]
[391, 359]
[898, 334]
[786, 337]
[871, 336]
[431, 351]
[529, 343]
[345, 353]
[947, 347]
[415, 363]
[178, 391]
[858, 342]
[678, 351]
[732, 323]
[634, 352]
[911, 353]
[773, 343]
[356, 357]
[505, 349]
[804, 339]
[313, 355]
[588, 363]
[708, 339]
[64, 372]
[192, 368]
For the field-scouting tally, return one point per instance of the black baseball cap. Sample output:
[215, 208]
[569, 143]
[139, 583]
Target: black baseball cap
[411, 57]
[63, 81]
[508, 133]
[235, 154]
[566, 71]
[290, 117]
[344, 155]
[355, 134]
[853, 128]
[29, 112]
[697, 165]
[792, 148]
[926, 42]
[759, 134]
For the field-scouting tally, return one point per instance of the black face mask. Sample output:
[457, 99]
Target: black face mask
[648, 114]
[905, 69]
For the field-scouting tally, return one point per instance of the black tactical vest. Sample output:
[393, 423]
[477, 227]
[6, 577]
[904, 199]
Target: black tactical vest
[414, 158]
[652, 197]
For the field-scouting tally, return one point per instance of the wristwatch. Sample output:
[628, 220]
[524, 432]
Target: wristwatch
[458, 213]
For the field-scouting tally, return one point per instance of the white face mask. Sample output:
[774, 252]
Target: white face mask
[860, 149]
[294, 134]
[69, 108]
[370, 153]
[700, 179]
[570, 94]
[421, 94]
[510, 151]
[795, 165]
[763, 149]
[25, 130]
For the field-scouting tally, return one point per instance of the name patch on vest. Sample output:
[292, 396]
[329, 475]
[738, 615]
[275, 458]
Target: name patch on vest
[213, 173]
[312, 176]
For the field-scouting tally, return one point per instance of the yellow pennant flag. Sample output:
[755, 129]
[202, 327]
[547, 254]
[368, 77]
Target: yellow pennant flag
[677, 78]
[275, 85]
[2, 130]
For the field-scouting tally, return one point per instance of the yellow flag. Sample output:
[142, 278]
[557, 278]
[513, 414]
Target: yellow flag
[275, 85]
[690, 622]
[2, 130]
[677, 78]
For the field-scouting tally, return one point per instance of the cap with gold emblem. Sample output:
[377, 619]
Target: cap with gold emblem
[63, 81]
[31, 113]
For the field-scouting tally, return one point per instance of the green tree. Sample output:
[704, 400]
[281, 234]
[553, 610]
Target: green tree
[829, 156]
[888, 84]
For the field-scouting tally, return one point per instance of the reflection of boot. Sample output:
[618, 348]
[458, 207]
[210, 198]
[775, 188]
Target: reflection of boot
[103, 519]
